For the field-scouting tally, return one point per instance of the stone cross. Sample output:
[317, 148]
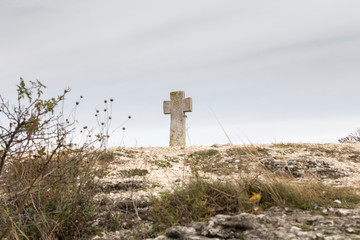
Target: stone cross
[177, 108]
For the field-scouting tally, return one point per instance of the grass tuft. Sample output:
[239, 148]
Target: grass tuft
[308, 195]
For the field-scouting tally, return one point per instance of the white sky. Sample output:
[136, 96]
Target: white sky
[271, 71]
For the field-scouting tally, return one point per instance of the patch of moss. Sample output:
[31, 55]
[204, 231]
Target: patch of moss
[133, 172]
[106, 157]
[172, 159]
[162, 163]
[251, 151]
[205, 154]
[208, 161]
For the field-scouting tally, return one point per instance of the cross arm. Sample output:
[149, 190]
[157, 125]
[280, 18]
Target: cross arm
[167, 107]
[187, 105]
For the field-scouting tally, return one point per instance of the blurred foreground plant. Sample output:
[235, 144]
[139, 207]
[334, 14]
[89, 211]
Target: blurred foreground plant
[46, 179]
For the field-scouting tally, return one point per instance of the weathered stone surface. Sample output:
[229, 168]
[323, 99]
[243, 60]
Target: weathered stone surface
[122, 185]
[300, 167]
[177, 108]
[275, 223]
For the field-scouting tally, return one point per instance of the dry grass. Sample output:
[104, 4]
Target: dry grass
[282, 191]
[59, 204]
[201, 199]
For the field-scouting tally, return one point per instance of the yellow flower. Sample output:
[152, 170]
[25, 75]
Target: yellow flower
[256, 197]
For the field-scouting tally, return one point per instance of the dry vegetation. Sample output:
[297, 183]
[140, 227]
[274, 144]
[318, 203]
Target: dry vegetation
[46, 178]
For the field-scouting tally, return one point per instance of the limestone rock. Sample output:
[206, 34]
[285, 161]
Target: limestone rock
[275, 223]
[300, 167]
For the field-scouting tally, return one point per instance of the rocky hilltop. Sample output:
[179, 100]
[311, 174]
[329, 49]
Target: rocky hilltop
[133, 177]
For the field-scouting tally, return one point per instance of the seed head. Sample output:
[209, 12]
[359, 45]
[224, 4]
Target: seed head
[77, 103]
[111, 100]
[129, 117]
[105, 101]
[123, 128]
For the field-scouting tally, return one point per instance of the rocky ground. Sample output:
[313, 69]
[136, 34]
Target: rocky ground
[136, 175]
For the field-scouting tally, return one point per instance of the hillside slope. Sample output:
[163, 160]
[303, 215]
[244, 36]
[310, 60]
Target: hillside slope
[134, 177]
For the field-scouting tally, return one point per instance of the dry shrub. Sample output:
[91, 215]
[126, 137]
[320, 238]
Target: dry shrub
[352, 137]
[47, 173]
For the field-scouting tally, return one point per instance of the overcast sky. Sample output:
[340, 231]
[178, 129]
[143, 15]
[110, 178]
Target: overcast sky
[271, 71]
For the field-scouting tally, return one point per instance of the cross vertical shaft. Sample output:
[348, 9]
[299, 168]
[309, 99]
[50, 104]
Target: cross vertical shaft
[177, 106]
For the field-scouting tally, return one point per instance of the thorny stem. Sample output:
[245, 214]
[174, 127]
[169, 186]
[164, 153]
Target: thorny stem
[8, 145]
[14, 167]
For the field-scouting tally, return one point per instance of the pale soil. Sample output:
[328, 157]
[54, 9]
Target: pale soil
[166, 166]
